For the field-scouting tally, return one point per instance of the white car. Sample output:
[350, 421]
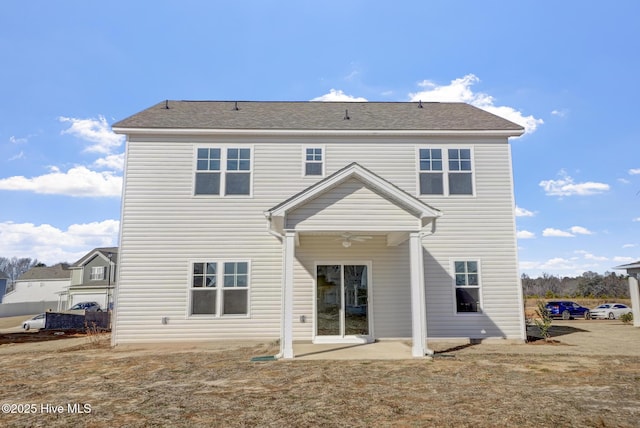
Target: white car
[610, 310]
[36, 322]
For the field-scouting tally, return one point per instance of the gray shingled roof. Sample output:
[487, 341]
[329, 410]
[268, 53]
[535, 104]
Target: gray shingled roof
[279, 115]
[105, 252]
[53, 272]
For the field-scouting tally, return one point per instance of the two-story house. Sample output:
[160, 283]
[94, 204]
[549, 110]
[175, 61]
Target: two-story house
[324, 222]
[93, 278]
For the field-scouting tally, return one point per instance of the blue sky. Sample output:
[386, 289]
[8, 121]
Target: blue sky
[567, 71]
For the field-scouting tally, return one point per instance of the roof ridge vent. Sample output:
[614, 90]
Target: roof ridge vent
[346, 115]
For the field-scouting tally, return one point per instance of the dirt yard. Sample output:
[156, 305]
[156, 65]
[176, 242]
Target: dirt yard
[81, 381]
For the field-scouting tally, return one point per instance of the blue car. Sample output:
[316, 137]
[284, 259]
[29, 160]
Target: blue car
[567, 310]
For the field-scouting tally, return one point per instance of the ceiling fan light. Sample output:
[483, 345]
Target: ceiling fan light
[346, 243]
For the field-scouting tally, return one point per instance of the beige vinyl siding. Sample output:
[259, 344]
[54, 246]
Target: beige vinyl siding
[351, 206]
[482, 228]
[164, 228]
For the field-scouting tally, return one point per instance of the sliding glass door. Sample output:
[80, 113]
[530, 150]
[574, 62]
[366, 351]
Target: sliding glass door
[342, 297]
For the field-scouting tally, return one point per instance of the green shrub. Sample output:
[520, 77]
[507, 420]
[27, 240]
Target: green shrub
[627, 318]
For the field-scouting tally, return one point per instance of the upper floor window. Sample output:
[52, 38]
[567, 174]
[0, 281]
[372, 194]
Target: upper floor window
[223, 171]
[219, 288]
[313, 162]
[452, 175]
[467, 286]
[431, 180]
[460, 179]
[97, 273]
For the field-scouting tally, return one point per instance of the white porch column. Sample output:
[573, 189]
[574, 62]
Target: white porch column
[286, 335]
[418, 305]
[634, 292]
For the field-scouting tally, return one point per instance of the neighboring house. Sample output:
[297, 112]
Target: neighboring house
[93, 278]
[39, 284]
[325, 222]
[3, 284]
[633, 270]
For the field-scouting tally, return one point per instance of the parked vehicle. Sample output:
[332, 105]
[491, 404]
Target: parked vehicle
[36, 322]
[86, 306]
[567, 310]
[610, 310]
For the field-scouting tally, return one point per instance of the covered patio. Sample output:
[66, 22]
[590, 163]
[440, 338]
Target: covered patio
[353, 202]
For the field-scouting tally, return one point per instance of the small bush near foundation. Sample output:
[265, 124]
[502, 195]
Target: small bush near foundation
[543, 321]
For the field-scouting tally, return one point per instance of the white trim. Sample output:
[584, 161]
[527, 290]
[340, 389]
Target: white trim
[418, 304]
[286, 334]
[634, 293]
[521, 301]
[223, 171]
[446, 190]
[355, 170]
[318, 132]
[454, 287]
[322, 163]
[219, 288]
[317, 339]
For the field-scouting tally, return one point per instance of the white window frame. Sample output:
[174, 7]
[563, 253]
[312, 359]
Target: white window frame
[454, 286]
[219, 288]
[321, 162]
[370, 296]
[223, 171]
[446, 171]
[98, 273]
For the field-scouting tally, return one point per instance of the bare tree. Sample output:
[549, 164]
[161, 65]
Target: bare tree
[15, 267]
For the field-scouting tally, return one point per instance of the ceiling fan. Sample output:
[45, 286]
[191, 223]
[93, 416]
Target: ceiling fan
[348, 238]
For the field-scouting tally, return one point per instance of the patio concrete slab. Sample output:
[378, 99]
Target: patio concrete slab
[383, 350]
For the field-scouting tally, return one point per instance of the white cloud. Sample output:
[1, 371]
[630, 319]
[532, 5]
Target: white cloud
[80, 181]
[565, 186]
[521, 212]
[636, 219]
[559, 113]
[18, 156]
[525, 234]
[459, 90]
[623, 181]
[113, 162]
[77, 181]
[588, 256]
[624, 260]
[550, 232]
[51, 245]
[554, 264]
[338, 95]
[634, 171]
[629, 246]
[95, 131]
[16, 140]
[579, 230]
[570, 233]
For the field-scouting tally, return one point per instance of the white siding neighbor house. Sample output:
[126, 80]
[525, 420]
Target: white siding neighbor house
[39, 284]
[322, 222]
